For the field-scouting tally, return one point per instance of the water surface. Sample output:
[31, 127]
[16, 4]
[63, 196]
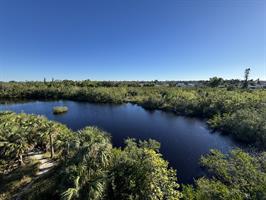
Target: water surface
[183, 140]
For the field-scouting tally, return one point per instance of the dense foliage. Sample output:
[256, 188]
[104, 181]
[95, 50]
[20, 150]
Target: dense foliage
[237, 176]
[21, 133]
[88, 166]
[139, 172]
[248, 125]
[239, 112]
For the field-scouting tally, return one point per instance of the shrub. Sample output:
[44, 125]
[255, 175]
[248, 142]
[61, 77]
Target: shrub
[60, 109]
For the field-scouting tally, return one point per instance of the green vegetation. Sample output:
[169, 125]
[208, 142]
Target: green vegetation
[60, 109]
[245, 84]
[220, 106]
[215, 82]
[246, 125]
[237, 176]
[88, 166]
[21, 133]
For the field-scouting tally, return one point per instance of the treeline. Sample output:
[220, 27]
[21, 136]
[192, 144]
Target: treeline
[239, 112]
[212, 82]
[90, 168]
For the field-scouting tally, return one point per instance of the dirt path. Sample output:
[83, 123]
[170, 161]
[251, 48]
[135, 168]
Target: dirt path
[44, 167]
[45, 164]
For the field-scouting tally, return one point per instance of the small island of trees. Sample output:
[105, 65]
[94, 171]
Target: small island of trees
[60, 109]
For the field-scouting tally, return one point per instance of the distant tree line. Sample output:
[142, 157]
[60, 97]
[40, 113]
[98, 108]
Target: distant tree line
[212, 82]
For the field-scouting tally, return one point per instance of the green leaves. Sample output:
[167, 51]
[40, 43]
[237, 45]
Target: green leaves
[139, 172]
[21, 133]
[219, 105]
[247, 125]
[237, 176]
[212, 189]
[86, 170]
[70, 193]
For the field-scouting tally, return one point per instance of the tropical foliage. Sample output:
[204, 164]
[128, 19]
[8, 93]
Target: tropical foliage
[21, 133]
[237, 176]
[220, 105]
[88, 166]
[86, 172]
[98, 171]
[139, 172]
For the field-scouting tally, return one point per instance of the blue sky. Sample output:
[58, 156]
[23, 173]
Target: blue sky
[132, 39]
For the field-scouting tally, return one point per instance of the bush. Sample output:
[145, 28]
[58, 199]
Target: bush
[60, 109]
[247, 125]
[236, 176]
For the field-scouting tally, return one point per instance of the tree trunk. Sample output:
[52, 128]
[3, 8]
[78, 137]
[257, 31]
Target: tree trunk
[21, 160]
[68, 148]
[51, 145]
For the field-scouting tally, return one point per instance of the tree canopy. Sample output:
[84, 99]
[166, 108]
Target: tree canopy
[237, 176]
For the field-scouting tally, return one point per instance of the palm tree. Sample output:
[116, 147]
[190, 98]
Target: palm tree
[14, 141]
[15, 144]
[59, 137]
[50, 131]
[73, 192]
[88, 167]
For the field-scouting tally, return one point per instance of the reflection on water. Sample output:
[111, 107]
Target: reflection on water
[183, 140]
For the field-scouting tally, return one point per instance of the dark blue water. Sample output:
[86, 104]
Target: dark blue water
[183, 140]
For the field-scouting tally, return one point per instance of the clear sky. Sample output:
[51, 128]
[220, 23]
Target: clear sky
[132, 39]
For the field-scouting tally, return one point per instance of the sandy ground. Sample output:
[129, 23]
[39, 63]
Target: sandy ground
[44, 167]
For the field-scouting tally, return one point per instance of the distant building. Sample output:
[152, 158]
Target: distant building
[191, 85]
[180, 85]
[257, 85]
[185, 84]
